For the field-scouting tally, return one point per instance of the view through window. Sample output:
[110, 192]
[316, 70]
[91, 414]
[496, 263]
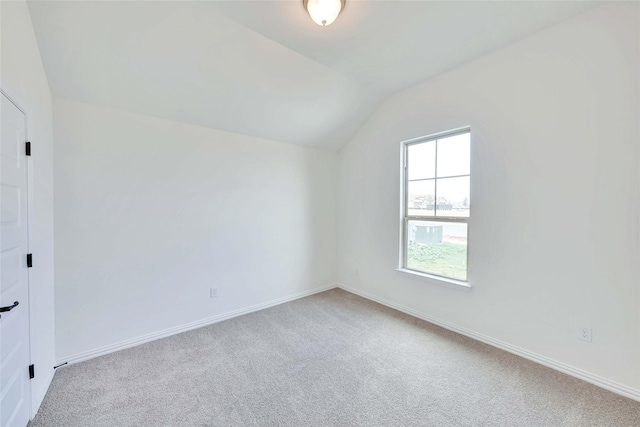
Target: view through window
[436, 204]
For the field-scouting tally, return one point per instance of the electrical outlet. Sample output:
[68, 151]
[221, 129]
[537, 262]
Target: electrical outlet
[213, 292]
[584, 334]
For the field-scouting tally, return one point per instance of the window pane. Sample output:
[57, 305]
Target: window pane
[420, 197]
[421, 160]
[453, 197]
[437, 248]
[453, 155]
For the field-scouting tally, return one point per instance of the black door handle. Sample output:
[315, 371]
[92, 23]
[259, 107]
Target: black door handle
[9, 307]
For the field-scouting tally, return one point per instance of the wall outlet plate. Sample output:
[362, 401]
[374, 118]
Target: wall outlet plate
[213, 292]
[584, 334]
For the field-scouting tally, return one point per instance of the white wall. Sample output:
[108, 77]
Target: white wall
[151, 213]
[22, 70]
[554, 230]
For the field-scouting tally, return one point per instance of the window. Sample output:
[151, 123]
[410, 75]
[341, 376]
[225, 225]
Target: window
[436, 204]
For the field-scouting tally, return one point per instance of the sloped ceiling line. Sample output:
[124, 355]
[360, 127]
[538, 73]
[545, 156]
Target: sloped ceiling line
[263, 68]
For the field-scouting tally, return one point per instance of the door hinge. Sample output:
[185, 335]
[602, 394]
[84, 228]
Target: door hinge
[29, 260]
[32, 371]
[28, 148]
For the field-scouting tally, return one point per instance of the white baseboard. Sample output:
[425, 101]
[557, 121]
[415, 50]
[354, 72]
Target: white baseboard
[613, 386]
[554, 364]
[101, 351]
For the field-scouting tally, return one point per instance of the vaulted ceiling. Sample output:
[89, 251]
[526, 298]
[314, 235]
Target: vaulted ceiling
[264, 68]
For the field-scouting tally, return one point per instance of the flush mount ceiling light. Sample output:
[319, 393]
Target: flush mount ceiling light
[324, 12]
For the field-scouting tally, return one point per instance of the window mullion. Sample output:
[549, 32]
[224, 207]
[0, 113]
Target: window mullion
[435, 183]
[440, 177]
[461, 219]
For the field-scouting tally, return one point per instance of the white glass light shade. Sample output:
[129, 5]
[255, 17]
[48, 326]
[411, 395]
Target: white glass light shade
[324, 12]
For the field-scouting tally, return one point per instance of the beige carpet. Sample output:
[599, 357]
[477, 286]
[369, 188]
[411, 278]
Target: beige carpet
[331, 359]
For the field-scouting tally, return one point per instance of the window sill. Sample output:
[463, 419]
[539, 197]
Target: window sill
[440, 281]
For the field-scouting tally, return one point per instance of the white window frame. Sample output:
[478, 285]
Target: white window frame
[405, 217]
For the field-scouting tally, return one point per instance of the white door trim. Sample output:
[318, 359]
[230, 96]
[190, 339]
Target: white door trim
[23, 106]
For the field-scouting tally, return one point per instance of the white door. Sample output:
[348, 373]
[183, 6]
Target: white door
[14, 324]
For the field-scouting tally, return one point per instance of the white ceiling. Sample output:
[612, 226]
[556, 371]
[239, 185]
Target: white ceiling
[263, 68]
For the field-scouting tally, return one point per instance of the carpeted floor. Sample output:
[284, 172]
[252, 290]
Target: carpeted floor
[332, 359]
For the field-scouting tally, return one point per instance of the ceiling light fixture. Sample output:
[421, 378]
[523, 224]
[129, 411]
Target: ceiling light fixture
[324, 12]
